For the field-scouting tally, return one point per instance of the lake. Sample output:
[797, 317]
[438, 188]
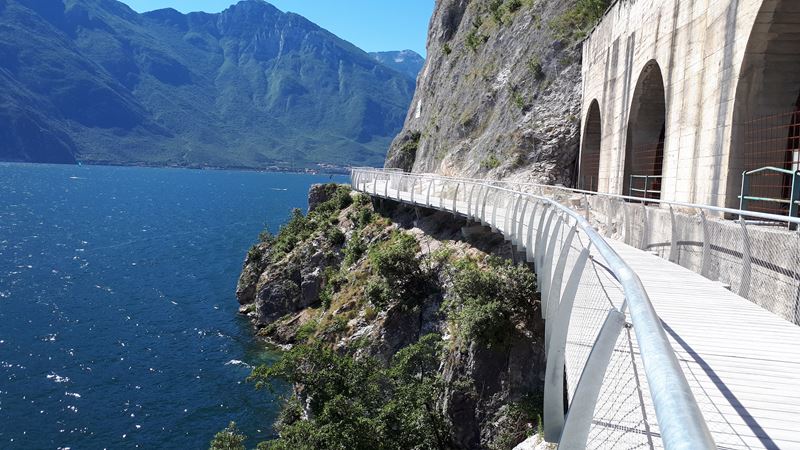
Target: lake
[118, 319]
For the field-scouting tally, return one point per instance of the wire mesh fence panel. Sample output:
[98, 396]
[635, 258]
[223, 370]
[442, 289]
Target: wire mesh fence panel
[620, 417]
[726, 245]
[774, 279]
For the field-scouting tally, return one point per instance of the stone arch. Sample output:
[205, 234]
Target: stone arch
[766, 118]
[590, 149]
[646, 132]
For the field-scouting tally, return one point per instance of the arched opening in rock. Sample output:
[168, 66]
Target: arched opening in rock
[765, 142]
[590, 149]
[644, 149]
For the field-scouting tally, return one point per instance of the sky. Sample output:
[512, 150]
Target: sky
[372, 25]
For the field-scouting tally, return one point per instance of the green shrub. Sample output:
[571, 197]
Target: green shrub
[535, 66]
[334, 235]
[395, 264]
[336, 325]
[575, 23]
[306, 331]
[340, 199]
[255, 253]
[475, 39]
[491, 162]
[333, 282]
[228, 439]
[356, 403]
[517, 98]
[354, 249]
[446, 49]
[378, 293]
[488, 302]
[266, 237]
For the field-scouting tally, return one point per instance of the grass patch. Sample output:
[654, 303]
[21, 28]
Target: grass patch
[490, 162]
[576, 23]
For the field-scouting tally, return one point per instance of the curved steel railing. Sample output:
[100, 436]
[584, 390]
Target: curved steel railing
[587, 292]
[754, 255]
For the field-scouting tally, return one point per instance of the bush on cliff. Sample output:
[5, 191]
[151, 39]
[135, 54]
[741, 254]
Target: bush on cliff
[578, 21]
[487, 302]
[357, 404]
[228, 439]
[398, 275]
[300, 227]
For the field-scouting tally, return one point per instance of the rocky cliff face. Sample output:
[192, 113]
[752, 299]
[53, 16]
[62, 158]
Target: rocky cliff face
[321, 290]
[499, 96]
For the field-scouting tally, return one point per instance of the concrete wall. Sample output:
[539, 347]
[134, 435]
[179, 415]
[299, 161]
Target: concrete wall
[722, 62]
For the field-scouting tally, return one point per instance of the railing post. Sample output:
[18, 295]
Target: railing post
[556, 351]
[588, 213]
[541, 250]
[386, 188]
[627, 220]
[743, 193]
[794, 199]
[470, 214]
[455, 198]
[375, 185]
[494, 211]
[547, 267]
[511, 222]
[529, 249]
[521, 221]
[673, 247]
[428, 197]
[413, 188]
[554, 292]
[706, 245]
[645, 228]
[483, 207]
[579, 417]
[441, 195]
[744, 287]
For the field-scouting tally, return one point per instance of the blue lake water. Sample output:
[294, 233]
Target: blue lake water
[118, 324]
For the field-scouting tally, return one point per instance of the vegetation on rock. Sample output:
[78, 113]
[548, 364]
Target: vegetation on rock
[576, 23]
[409, 343]
[355, 403]
[488, 302]
[228, 439]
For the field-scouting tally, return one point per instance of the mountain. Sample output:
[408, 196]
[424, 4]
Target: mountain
[94, 81]
[408, 62]
[500, 93]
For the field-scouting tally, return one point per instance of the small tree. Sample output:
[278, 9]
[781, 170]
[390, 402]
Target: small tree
[228, 439]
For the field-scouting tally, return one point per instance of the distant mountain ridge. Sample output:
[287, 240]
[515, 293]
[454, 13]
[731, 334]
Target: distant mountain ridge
[93, 80]
[408, 62]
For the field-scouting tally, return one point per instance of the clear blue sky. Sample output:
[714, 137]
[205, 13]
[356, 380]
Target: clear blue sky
[373, 25]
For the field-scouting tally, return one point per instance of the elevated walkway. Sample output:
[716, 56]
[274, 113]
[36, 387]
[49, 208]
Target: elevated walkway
[659, 356]
[741, 361]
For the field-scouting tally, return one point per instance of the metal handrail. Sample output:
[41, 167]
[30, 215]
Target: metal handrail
[680, 421]
[794, 196]
[717, 209]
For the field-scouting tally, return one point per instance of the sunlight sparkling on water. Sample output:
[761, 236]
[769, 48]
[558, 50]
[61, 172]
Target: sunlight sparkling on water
[118, 323]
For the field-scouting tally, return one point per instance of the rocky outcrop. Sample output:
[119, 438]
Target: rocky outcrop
[320, 289]
[499, 96]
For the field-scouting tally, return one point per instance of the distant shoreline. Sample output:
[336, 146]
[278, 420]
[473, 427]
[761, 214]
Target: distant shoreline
[332, 170]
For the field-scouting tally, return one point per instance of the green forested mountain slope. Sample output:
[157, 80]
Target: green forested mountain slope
[252, 86]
